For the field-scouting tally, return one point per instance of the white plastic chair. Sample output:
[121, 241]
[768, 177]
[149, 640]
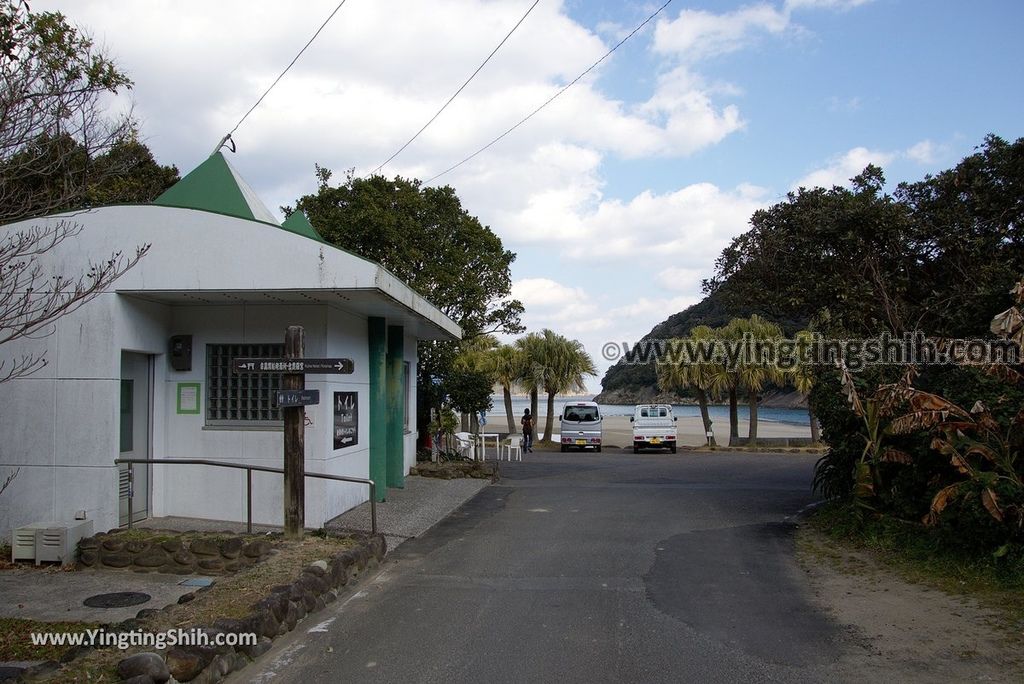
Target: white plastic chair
[509, 447]
[464, 444]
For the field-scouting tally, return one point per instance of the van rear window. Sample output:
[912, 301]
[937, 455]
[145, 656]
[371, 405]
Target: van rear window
[581, 414]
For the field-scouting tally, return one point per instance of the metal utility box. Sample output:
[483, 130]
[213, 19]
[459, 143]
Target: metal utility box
[49, 541]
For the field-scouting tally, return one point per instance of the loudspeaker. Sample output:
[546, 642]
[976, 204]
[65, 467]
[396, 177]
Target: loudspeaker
[181, 352]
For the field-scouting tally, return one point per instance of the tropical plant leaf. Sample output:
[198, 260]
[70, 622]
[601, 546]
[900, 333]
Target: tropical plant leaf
[940, 501]
[916, 421]
[1008, 322]
[926, 401]
[961, 464]
[991, 503]
[893, 455]
[864, 487]
[984, 451]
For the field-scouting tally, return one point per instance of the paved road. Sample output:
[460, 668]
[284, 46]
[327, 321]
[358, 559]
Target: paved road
[588, 568]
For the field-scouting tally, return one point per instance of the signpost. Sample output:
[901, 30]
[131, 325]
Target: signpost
[292, 397]
[294, 365]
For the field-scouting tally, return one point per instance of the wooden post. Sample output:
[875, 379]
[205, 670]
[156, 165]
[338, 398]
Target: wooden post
[294, 440]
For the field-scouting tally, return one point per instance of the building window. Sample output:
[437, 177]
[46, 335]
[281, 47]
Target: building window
[241, 398]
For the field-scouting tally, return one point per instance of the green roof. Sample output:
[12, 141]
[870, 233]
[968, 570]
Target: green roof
[214, 185]
[300, 225]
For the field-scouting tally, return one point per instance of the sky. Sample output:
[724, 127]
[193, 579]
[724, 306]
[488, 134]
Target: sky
[618, 196]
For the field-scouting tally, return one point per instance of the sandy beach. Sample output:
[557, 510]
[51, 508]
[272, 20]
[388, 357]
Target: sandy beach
[618, 431]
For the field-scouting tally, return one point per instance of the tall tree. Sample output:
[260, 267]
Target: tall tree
[759, 366]
[506, 362]
[694, 371]
[425, 237]
[802, 376]
[58, 150]
[59, 147]
[532, 370]
[558, 365]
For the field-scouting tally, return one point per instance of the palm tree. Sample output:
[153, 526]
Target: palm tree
[566, 363]
[530, 373]
[725, 378]
[753, 370]
[802, 378]
[693, 371]
[506, 362]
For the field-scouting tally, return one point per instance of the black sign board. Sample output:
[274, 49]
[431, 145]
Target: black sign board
[298, 366]
[346, 419]
[290, 398]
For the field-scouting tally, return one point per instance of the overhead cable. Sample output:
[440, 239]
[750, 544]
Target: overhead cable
[553, 97]
[281, 75]
[471, 77]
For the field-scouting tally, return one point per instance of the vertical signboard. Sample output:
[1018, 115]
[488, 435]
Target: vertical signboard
[346, 419]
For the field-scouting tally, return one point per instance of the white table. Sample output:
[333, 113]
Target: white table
[482, 441]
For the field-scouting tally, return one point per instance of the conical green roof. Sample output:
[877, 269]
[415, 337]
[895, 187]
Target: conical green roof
[214, 185]
[300, 225]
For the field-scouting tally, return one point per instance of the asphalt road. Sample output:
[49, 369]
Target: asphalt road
[588, 568]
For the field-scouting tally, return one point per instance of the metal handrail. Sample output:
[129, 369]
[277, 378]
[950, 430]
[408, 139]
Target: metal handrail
[248, 482]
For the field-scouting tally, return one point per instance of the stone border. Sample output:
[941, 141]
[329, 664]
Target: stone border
[276, 614]
[176, 555]
[453, 470]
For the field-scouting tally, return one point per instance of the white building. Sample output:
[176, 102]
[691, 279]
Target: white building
[225, 278]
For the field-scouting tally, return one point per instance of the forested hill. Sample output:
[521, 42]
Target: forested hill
[636, 383]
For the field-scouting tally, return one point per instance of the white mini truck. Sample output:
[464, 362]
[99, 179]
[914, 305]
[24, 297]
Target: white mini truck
[581, 426]
[654, 427]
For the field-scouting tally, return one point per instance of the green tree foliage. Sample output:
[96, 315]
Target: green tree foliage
[425, 237]
[59, 148]
[700, 377]
[938, 255]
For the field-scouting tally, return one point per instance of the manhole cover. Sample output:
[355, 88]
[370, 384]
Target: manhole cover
[10, 673]
[118, 599]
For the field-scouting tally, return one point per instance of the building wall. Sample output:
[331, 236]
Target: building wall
[60, 425]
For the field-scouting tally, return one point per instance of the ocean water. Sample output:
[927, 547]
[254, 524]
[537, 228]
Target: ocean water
[719, 414]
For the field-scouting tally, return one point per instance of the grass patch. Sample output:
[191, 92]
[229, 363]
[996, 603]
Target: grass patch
[16, 638]
[917, 555]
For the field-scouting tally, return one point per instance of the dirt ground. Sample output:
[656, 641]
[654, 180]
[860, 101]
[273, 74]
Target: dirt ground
[902, 632]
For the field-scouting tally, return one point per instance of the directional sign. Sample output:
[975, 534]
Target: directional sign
[291, 398]
[279, 365]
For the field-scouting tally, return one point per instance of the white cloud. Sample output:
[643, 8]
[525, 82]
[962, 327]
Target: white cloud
[697, 34]
[924, 152]
[841, 5]
[841, 169]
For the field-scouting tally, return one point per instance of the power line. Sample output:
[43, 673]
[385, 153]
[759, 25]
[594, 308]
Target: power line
[552, 98]
[471, 77]
[290, 65]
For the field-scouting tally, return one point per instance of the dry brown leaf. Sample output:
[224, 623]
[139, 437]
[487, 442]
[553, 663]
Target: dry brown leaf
[940, 501]
[891, 455]
[988, 498]
[961, 464]
[981, 450]
[1008, 322]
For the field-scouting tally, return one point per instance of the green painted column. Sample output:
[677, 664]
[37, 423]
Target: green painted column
[377, 343]
[396, 407]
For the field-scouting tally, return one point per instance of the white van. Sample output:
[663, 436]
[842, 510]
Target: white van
[581, 426]
[654, 427]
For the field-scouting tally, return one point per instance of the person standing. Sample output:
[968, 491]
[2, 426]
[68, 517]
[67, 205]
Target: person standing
[527, 423]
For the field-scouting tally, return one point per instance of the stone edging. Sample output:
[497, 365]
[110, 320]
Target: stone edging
[175, 555]
[274, 615]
